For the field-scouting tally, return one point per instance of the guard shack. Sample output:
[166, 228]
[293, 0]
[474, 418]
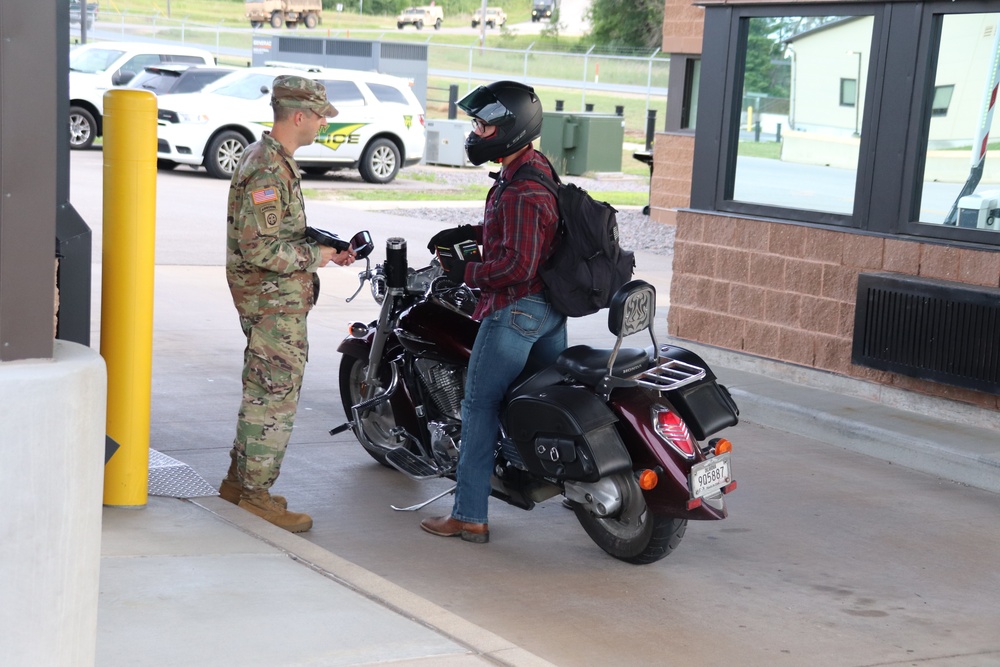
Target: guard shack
[405, 60]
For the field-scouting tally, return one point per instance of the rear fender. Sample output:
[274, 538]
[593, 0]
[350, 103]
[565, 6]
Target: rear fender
[633, 407]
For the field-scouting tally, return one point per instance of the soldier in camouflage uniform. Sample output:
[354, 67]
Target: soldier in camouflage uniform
[271, 268]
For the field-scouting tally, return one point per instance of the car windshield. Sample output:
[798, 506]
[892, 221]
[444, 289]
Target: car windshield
[246, 86]
[413, 11]
[92, 61]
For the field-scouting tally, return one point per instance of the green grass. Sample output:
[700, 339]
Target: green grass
[766, 149]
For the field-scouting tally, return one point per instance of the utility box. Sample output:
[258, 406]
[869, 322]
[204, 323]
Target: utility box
[581, 142]
[446, 142]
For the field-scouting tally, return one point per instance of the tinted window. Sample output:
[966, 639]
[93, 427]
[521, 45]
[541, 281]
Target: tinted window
[384, 93]
[806, 75]
[157, 81]
[194, 80]
[961, 184]
[344, 93]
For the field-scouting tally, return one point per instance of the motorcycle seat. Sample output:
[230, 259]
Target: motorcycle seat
[589, 365]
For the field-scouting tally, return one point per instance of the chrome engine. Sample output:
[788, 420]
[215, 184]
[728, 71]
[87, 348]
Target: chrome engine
[445, 385]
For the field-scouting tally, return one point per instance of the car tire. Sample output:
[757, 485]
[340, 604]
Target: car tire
[82, 128]
[223, 153]
[277, 20]
[437, 24]
[380, 162]
[311, 21]
[420, 25]
[399, 25]
[474, 24]
[256, 24]
[165, 165]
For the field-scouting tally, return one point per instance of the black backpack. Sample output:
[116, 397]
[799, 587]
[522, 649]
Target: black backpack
[587, 265]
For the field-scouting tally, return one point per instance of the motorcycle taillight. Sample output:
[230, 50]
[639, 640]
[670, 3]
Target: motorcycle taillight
[669, 426]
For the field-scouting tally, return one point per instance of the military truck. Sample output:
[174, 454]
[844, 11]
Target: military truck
[418, 17]
[543, 9]
[284, 12]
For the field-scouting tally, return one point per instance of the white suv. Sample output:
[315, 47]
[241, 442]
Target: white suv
[379, 127]
[96, 67]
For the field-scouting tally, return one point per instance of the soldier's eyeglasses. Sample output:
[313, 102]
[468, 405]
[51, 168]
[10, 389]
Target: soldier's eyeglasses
[478, 126]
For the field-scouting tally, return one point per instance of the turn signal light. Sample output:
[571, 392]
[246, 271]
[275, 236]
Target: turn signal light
[722, 446]
[648, 479]
[357, 329]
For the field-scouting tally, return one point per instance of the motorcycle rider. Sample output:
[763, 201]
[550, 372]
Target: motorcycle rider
[518, 325]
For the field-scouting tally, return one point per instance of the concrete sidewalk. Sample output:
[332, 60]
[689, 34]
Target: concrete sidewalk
[200, 582]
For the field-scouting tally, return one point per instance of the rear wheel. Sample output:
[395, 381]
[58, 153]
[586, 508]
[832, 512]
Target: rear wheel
[634, 534]
[379, 421]
[224, 153]
[437, 24]
[380, 162]
[82, 128]
[311, 21]
[256, 24]
[419, 25]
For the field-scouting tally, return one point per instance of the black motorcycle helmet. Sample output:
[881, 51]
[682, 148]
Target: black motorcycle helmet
[515, 111]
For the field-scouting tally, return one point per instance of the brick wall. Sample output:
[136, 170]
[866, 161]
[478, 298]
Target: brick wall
[670, 185]
[787, 292]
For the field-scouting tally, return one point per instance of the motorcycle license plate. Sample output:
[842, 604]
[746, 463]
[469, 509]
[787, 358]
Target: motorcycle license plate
[709, 476]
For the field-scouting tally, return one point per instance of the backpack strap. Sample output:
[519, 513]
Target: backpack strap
[530, 173]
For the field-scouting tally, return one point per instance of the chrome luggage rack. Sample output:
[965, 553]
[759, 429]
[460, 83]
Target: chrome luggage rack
[669, 374]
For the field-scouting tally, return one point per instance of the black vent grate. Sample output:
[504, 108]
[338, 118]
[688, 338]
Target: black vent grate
[301, 45]
[348, 48]
[930, 329]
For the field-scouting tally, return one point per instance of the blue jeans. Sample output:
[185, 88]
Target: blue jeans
[528, 333]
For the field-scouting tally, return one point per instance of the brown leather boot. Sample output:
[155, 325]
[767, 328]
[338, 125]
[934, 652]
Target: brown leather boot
[230, 490]
[262, 504]
[446, 526]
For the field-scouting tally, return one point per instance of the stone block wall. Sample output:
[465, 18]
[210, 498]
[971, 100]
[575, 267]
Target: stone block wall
[787, 292]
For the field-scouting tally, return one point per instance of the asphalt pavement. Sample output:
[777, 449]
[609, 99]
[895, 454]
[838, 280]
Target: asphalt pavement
[863, 532]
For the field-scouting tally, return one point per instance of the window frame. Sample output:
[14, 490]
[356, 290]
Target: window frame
[899, 84]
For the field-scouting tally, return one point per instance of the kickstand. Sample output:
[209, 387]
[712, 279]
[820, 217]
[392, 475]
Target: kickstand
[413, 508]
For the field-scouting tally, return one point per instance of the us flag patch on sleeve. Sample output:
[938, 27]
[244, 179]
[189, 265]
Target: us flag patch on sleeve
[263, 196]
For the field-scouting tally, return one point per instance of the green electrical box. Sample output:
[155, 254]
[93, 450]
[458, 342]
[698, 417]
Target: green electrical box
[581, 142]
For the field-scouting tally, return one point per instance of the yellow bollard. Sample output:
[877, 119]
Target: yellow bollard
[127, 288]
[749, 119]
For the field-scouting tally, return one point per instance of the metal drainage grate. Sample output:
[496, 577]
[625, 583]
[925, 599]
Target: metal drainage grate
[173, 479]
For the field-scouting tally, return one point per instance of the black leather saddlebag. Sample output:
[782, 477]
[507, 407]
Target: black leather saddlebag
[566, 433]
[706, 406]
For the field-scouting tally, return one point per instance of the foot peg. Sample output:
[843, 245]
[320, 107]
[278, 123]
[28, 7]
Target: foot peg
[411, 465]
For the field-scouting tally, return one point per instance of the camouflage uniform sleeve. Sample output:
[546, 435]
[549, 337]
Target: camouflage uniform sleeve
[273, 227]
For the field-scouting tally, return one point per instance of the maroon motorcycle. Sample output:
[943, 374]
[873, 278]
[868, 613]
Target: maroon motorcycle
[621, 433]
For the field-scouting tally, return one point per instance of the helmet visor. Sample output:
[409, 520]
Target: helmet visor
[483, 104]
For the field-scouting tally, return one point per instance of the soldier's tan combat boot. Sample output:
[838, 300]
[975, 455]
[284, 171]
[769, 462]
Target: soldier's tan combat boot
[231, 490]
[263, 505]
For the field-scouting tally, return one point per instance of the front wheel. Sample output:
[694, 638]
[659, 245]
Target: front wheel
[277, 18]
[378, 422]
[224, 153]
[380, 162]
[82, 128]
[634, 534]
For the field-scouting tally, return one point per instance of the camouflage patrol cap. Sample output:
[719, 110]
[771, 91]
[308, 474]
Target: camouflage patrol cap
[298, 92]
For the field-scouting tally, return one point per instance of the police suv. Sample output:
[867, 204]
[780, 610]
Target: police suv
[378, 129]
